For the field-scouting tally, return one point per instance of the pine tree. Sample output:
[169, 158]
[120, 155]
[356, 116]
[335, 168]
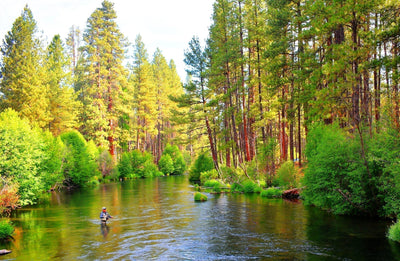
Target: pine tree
[63, 106]
[144, 96]
[21, 84]
[106, 94]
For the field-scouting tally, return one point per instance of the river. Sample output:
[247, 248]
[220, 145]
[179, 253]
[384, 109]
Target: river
[157, 219]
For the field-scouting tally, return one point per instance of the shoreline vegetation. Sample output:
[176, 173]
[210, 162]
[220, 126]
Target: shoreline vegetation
[283, 96]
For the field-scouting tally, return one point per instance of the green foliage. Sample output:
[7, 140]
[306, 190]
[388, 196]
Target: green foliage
[216, 185]
[6, 229]
[80, 168]
[394, 232]
[271, 192]
[200, 197]
[125, 166]
[335, 175]
[105, 163]
[22, 85]
[201, 164]
[21, 156]
[136, 164]
[52, 165]
[165, 164]
[150, 170]
[208, 175]
[385, 170]
[285, 176]
[250, 186]
[230, 174]
[179, 164]
[237, 187]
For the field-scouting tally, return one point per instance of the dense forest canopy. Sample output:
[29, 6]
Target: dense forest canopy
[271, 76]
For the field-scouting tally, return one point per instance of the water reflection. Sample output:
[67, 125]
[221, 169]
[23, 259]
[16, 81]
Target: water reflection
[158, 219]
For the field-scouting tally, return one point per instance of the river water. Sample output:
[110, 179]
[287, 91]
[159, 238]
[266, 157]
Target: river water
[157, 219]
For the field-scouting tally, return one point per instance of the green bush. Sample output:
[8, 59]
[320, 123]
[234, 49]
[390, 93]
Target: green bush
[335, 177]
[22, 155]
[208, 175]
[230, 175]
[237, 187]
[200, 197]
[250, 186]
[202, 163]
[271, 192]
[52, 165]
[286, 175]
[6, 229]
[79, 164]
[125, 166]
[149, 170]
[394, 232]
[165, 164]
[179, 164]
[385, 169]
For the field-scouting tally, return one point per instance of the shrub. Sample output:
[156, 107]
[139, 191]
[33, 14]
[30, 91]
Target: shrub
[230, 174]
[207, 175]
[285, 176]
[22, 151]
[250, 186]
[52, 165]
[237, 187]
[335, 175]
[105, 163]
[80, 167]
[179, 165]
[6, 229]
[200, 197]
[125, 166]
[201, 164]
[165, 164]
[149, 169]
[8, 197]
[394, 232]
[271, 192]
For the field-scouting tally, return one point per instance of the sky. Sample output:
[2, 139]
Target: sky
[165, 24]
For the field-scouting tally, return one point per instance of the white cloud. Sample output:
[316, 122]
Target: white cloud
[168, 25]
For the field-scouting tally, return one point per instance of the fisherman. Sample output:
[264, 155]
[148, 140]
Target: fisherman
[104, 215]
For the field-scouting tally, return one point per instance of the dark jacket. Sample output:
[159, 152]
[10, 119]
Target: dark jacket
[104, 216]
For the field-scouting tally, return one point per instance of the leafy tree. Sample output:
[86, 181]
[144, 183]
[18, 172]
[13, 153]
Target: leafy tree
[165, 164]
[202, 163]
[79, 166]
[21, 155]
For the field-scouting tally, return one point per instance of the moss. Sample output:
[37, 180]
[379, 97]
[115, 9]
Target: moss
[200, 197]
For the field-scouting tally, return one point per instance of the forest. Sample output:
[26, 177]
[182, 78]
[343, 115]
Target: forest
[278, 84]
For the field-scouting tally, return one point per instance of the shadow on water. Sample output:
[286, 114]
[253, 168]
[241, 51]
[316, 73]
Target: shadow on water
[157, 219]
